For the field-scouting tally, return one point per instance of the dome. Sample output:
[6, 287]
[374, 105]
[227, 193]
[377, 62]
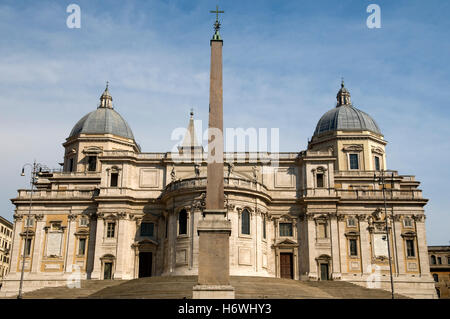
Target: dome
[104, 120]
[346, 117]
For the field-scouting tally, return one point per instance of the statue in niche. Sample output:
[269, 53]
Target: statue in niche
[197, 170]
[173, 174]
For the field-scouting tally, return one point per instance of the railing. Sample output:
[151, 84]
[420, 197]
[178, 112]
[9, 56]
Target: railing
[24, 194]
[228, 182]
[378, 194]
[362, 173]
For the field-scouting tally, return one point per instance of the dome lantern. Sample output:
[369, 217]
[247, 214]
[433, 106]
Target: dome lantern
[343, 96]
[106, 98]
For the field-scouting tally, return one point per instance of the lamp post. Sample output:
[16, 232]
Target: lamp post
[35, 169]
[381, 179]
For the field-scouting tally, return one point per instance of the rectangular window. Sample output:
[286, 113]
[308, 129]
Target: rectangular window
[245, 222]
[147, 229]
[285, 229]
[82, 246]
[264, 227]
[83, 222]
[439, 261]
[29, 222]
[353, 247]
[377, 163]
[110, 230]
[167, 225]
[71, 165]
[114, 179]
[351, 222]
[410, 248]
[354, 163]
[319, 179]
[92, 163]
[27, 247]
[407, 222]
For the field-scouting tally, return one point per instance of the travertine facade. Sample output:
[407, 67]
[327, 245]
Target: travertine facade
[317, 214]
[6, 231]
[440, 269]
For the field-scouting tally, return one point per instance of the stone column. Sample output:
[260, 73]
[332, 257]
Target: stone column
[96, 273]
[366, 258]
[38, 243]
[400, 251]
[120, 267]
[312, 272]
[71, 240]
[422, 249]
[16, 246]
[334, 234]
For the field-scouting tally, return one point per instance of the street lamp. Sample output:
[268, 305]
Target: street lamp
[381, 179]
[36, 168]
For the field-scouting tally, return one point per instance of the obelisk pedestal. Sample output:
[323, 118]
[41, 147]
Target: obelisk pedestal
[214, 261]
[214, 229]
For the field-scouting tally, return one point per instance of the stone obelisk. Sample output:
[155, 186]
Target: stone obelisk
[214, 229]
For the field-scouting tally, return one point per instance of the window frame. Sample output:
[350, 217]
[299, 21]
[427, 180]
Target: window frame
[353, 220]
[291, 229]
[185, 224]
[111, 233]
[350, 161]
[375, 158]
[84, 239]
[247, 213]
[116, 179]
[91, 163]
[350, 252]
[410, 249]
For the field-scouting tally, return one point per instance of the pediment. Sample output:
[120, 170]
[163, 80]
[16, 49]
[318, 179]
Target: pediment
[286, 242]
[353, 148]
[92, 150]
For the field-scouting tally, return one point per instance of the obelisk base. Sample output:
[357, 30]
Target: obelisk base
[214, 232]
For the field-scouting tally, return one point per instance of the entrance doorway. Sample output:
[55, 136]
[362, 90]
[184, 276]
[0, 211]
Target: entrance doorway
[107, 273]
[286, 266]
[324, 272]
[145, 264]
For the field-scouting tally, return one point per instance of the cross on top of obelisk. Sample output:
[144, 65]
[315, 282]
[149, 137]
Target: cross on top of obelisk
[217, 23]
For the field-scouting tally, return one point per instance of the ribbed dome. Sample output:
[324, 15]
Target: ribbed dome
[346, 117]
[104, 120]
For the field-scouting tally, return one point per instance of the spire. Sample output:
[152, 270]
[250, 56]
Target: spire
[190, 142]
[216, 36]
[343, 96]
[106, 98]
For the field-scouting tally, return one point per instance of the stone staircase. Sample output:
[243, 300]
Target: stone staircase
[179, 287]
[88, 287]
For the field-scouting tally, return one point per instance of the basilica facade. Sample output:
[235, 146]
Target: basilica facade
[115, 212]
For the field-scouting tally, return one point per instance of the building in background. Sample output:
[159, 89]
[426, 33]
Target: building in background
[440, 269]
[6, 231]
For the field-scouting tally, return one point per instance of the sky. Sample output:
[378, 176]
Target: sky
[282, 66]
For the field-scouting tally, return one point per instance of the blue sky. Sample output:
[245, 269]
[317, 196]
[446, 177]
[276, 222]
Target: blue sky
[283, 61]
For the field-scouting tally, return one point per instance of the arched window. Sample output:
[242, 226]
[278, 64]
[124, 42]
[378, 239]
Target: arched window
[245, 222]
[182, 222]
[433, 259]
